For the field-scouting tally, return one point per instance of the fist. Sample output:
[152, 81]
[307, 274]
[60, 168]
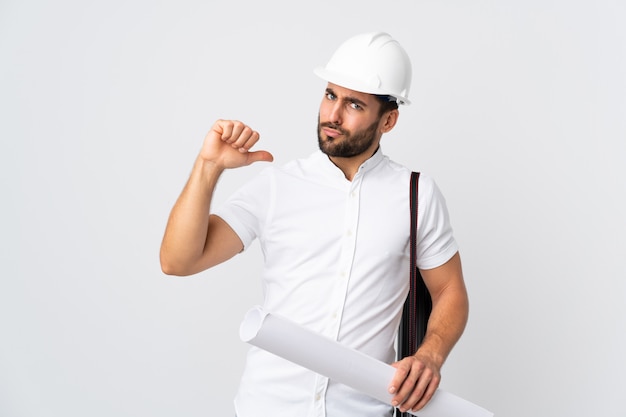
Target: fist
[228, 145]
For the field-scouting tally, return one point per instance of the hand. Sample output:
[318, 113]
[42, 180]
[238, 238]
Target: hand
[416, 380]
[228, 145]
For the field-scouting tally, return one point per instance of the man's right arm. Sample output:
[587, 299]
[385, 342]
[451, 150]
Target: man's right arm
[194, 240]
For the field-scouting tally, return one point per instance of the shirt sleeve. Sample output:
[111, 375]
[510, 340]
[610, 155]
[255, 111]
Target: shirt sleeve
[246, 209]
[436, 243]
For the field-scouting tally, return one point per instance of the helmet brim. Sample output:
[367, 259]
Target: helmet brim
[356, 85]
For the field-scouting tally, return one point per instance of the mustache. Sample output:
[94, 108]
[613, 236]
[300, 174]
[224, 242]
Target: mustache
[333, 126]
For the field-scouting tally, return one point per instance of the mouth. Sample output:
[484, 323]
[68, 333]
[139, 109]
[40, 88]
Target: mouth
[332, 132]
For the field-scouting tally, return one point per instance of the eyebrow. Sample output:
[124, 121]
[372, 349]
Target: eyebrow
[351, 99]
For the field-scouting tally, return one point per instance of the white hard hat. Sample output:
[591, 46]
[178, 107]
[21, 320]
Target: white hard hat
[373, 63]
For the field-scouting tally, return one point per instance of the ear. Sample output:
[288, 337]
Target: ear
[388, 121]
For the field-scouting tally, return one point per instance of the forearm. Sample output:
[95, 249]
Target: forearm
[186, 232]
[418, 376]
[446, 323]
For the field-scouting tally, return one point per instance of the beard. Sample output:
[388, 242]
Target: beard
[350, 144]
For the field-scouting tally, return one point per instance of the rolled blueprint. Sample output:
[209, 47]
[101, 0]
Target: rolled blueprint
[348, 366]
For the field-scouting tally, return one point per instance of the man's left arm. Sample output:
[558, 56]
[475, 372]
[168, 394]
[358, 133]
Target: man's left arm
[417, 377]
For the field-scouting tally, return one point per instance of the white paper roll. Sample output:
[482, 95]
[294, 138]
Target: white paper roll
[350, 367]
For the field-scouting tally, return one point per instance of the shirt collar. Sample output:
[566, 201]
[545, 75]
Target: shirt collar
[331, 169]
[370, 163]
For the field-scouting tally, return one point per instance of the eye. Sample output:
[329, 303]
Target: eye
[330, 96]
[355, 106]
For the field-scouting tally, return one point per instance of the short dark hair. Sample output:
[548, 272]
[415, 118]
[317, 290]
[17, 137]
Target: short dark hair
[387, 103]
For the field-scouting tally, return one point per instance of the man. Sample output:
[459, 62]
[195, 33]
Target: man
[334, 230]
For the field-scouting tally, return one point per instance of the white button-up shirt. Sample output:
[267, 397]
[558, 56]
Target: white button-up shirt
[337, 262]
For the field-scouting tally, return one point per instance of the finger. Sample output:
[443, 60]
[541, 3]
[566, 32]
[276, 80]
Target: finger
[246, 139]
[410, 371]
[427, 395]
[410, 391]
[423, 391]
[415, 395]
[223, 128]
[259, 156]
[237, 129]
[402, 370]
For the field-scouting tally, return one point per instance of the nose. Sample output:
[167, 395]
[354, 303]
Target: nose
[335, 113]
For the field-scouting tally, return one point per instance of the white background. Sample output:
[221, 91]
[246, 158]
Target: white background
[519, 114]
